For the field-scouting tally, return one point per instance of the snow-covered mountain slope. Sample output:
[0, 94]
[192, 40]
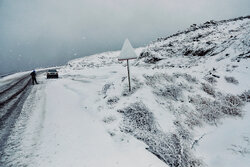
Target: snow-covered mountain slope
[187, 92]
[224, 38]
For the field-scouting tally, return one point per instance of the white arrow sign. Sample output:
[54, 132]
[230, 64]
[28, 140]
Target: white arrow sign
[127, 53]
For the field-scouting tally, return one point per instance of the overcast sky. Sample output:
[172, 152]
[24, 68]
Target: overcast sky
[39, 33]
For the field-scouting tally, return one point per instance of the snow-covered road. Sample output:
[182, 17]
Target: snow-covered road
[60, 126]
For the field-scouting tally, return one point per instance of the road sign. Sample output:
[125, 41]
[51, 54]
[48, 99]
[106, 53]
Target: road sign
[127, 53]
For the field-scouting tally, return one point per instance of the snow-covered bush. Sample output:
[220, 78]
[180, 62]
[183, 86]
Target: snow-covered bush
[193, 120]
[158, 78]
[231, 80]
[109, 119]
[106, 87]
[183, 132]
[198, 52]
[208, 89]
[231, 105]
[163, 85]
[210, 79]
[208, 110]
[211, 111]
[113, 100]
[169, 147]
[172, 92]
[150, 57]
[186, 76]
[189, 78]
[137, 117]
[245, 96]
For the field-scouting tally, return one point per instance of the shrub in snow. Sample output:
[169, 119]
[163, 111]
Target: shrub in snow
[231, 105]
[186, 76]
[189, 78]
[163, 86]
[208, 110]
[170, 92]
[210, 79]
[193, 120]
[211, 111]
[208, 89]
[231, 80]
[109, 119]
[106, 87]
[189, 116]
[150, 57]
[198, 52]
[161, 78]
[183, 132]
[169, 147]
[137, 116]
[245, 96]
[112, 100]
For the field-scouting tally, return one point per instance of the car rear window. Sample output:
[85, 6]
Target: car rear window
[52, 71]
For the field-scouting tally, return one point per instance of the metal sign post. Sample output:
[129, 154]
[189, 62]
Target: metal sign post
[126, 54]
[129, 86]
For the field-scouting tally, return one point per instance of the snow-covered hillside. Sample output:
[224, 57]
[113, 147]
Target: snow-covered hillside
[188, 90]
[189, 105]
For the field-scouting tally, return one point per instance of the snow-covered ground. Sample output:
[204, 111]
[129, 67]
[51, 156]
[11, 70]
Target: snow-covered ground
[190, 110]
[65, 128]
[228, 144]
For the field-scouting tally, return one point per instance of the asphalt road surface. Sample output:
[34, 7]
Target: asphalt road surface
[12, 97]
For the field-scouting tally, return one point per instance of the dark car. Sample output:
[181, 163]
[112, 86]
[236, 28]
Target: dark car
[52, 73]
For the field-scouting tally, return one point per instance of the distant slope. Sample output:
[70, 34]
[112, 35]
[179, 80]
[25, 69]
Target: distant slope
[208, 39]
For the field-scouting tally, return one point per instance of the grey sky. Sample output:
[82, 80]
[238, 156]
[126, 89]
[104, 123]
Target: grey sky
[38, 33]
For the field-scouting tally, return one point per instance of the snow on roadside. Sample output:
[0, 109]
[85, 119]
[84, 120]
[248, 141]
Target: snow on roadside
[190, 81]
[72, 131]
[181, 97]
[113, 94]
